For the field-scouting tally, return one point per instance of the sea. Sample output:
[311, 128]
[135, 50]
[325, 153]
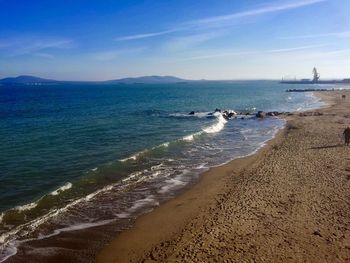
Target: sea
[79, 156]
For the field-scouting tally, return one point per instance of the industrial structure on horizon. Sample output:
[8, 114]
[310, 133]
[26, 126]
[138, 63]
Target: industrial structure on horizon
[314, 80]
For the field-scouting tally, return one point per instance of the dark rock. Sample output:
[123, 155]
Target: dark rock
[191, 113]
[217, 110]
[225, 114]
[260, 114]
[273, 113]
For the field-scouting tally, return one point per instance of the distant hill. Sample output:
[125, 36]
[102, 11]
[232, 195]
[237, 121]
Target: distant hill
[26, 80]
[148, 80]
[32, 80]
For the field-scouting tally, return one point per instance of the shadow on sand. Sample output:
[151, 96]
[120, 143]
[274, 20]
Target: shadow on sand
[327, 146]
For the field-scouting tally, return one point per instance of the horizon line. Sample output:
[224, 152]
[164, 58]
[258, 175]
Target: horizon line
[180, 78]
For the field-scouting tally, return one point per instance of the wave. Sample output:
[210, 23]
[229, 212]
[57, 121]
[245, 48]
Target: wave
[216, 127]
[62, 188]
[8, 239]
[73, 228]
[190, 137]
[173, 183]
[32, 205]
[27, 206]
[137, 155]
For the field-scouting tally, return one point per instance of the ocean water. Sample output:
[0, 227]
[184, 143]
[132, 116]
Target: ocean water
[78, 156]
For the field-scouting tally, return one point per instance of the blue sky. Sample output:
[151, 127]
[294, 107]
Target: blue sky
[98, 40]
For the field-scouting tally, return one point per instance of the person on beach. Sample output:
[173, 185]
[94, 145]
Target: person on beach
[346, 134]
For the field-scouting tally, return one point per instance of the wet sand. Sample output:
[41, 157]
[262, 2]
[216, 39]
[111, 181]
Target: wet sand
[290, 202]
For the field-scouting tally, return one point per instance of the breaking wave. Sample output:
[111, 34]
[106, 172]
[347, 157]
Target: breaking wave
[62, 188]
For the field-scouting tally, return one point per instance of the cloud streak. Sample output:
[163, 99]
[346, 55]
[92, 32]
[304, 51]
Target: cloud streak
[33, 45]
[343, 34]
[223, 20]
[146, 35]
[184, 42]
[216, 20]
[238, 53]
[110, 55]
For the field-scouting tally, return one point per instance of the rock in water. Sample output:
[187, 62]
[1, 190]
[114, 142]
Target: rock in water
[260, 114]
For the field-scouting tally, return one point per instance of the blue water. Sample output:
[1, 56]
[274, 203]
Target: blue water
[109, 150]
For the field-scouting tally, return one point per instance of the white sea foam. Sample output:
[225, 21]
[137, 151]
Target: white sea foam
[123, 215]
[201, 114]
[170, 185]
[188, 138]
[216, 127]
[132, 176]
[104, 189]
[173, 183]
[201, 166]
[74, 228]
[9, 237]
[62, 189]
[26, 206]
[166, 144]
[133, 157]
[11, 250]
[149, 200]
[155, 167]
[247, 130]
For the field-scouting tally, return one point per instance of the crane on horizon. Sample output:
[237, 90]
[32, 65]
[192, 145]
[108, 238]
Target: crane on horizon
[316, 75]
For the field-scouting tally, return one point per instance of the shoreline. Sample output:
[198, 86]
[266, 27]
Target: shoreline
[154, 234]
[130, 242]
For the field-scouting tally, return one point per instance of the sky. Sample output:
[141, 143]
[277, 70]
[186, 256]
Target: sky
[192, 39]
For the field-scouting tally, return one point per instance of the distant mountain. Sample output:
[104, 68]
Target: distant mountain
[24, 80]
[32, 80]
[148, 80]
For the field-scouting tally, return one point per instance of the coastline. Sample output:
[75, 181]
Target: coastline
[180, 229]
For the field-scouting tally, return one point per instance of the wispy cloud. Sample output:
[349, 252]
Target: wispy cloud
[285, 50]
[218, 20]
[255, 52]
[343, 34]
[33, 45]
[185, 42]
[224, 20]
[146, 35]
[44, 55]
[338, 51]
[109, 55]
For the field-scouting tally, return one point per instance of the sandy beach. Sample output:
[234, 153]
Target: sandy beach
[287, 203]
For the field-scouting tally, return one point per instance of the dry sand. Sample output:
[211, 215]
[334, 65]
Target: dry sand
[290, 202]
